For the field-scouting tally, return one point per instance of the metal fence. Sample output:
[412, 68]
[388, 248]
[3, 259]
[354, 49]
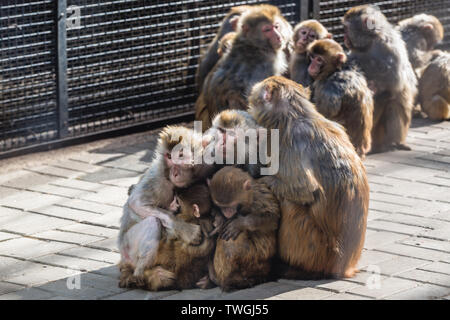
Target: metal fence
[72, 69]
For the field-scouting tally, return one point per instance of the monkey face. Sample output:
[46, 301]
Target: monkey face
[272, 33]
[303, 37]
[316, 65]
[179, 173]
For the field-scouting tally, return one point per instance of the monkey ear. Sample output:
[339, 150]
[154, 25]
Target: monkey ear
[245, 28]
[341, 58]
[234, 22]
[196, 211]
[208, 182]
[427, 26]
[267, 95]
[329, 36]
[247, 185]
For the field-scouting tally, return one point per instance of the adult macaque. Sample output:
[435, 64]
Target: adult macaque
[434, 87]
[381, 53]
[421, 33]
[150, 200]
[211, 56]
[321, 184]
[247, 239]
[340, 92]
[255, 54]
[304, 33]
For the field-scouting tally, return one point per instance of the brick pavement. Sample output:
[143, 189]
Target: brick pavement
[59, 220]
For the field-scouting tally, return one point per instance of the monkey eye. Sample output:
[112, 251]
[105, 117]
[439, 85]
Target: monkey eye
[168, 155]
[312, 36]
[267, 28]
[277, 26]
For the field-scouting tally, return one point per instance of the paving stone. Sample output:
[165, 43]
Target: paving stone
[76, 165]
[37, 274]
[388, 286]
[110, 220]
[77, 184]
[109, 195]
[93, 254]
[381, 238]
[140, 295]
[400, 264]
[369, 257]
[108, 174]
[102, 282]
[107, 244]
[70, 237]
[58, 191]
[439, 234]
[338, 285]
[428, 223]
[67, 213]
[7, 236]
[440, 267]
[427, 276]
[111, 271]
[31, 248]
[69, 288]
[195, 294]
[56, 172]
[71, 262]
[346, 296]
[422, 292]
[27, 200]
[416, 252]
[29, 223]
[304, 294]
[380, 225]
[6, 287]
[82, 228]
[95, 158]
[27, 294]
[262, 291]
[428, 243]
[23, 179]
[90, 206]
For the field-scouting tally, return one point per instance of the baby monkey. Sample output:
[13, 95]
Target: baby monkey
[178, 264]
[247, 229]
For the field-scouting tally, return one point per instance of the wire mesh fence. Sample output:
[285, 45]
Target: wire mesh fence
[74, 68]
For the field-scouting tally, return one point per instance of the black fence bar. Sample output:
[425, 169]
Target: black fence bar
[129, 65]
[61, 68]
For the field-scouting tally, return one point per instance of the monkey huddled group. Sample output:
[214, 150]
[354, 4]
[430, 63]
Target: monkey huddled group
[190, 224]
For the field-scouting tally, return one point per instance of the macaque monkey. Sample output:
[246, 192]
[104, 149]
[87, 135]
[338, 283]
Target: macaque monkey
[246, 242]
[381, 53]
[179, 265]
[434, 87]
[256, 53]
[211, 56]
[305, 32]
[340, 92]
[421, 33]
[225, 43]
[321, 184]
[151, 200]
[232, 125]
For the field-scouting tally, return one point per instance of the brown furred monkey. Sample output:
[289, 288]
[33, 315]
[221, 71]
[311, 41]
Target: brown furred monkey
[305, 32]
[381, 53]
[211, 55]
[150, 200]
[321, 184]
[340, 92]
[434, 87]
[421, 33]
[255, 54]
[247, 240]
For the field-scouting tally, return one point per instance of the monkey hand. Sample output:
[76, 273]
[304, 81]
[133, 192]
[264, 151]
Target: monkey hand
[232, 230]
[189, 233]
